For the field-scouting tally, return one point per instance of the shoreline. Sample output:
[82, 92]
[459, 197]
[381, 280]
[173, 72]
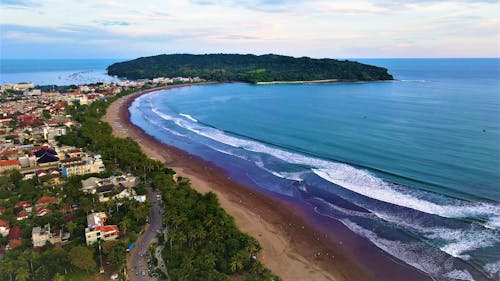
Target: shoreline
[292, 247]
[300, 82]
[322, 81]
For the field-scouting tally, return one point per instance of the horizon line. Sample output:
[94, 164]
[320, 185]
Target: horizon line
[131, 58]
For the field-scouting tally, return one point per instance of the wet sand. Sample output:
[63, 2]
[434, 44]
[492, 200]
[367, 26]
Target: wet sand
[292, 247]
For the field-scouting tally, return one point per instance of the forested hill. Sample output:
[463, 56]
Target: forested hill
[247, 68]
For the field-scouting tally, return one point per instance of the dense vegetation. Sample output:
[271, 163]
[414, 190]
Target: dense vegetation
[246, 68]
[203, 241]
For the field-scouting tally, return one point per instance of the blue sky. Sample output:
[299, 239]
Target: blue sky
[316, 28]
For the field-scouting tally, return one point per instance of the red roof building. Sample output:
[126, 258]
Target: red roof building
[46, 200]
[15, 233]
[23, 205]
[42, 211]
[27, 118]
[9, 162]
[67, 209]
[9, 165]
[22, 215]
[108, 230]
[4, 223]
[9, 154]
[14, 243]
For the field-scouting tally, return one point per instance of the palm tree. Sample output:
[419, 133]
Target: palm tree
[253, 246]
[240, 259]
[22, 274]
[125, 224]
[71, 226]
[57, 277]
[236, 264]
[9, 268]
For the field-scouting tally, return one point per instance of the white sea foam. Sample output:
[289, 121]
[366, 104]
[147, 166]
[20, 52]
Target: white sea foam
[348, 177]
[493, 222]
[297, 176]
[162, 115]
[493, 269]
[344, 210]
[227, 152]
[437, 265]
[173, 132]
[410, 253]
[455, 242]
[362, 182]
[188, 117]
[460, 275]
[458, 242]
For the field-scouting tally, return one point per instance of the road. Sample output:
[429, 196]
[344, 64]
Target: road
[137, 260]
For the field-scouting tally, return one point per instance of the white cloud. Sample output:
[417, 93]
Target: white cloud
[315, 28]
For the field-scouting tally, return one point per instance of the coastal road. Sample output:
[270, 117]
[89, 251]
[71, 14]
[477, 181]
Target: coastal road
[137, 261]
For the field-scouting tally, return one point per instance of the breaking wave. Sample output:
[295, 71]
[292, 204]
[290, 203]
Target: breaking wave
[354, 179]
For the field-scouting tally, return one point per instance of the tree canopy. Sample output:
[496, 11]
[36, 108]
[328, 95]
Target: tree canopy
[247, 68]
[83, 258]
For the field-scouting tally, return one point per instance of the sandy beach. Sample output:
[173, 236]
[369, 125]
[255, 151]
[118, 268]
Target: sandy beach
[292, 247]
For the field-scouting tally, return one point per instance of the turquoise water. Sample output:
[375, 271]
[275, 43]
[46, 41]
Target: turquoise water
[412, 165]
[55, 71]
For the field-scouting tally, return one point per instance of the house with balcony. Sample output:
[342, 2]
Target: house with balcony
[98, 230]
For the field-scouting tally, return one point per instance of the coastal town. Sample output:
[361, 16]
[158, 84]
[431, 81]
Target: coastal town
[80, 201]
[63, 205]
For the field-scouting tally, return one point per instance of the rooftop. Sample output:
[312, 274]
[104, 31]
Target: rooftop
[9, 162]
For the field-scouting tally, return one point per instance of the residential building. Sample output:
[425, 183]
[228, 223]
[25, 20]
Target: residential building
[44, 201]
[4, 227]
[96, 219]
[96, 229]
[17, 87]
[50, 133]
[23, 205]
[27, 161]
[104, 232]
[40, 235]
[22, 215]
[46, 156]
[42, 211]
[81, 166]
[7, 165]
[110, 188]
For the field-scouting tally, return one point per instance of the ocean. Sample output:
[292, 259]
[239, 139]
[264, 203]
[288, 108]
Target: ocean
[60, 72]
[411, 165]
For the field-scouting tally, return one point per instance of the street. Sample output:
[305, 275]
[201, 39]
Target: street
[137, 260]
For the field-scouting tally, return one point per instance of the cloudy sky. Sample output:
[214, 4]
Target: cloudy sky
[316, 28]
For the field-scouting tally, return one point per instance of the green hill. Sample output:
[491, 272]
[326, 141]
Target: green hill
[247, 68]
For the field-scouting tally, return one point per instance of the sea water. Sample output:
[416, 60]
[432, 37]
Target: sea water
[412, 165]
[61, 72]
